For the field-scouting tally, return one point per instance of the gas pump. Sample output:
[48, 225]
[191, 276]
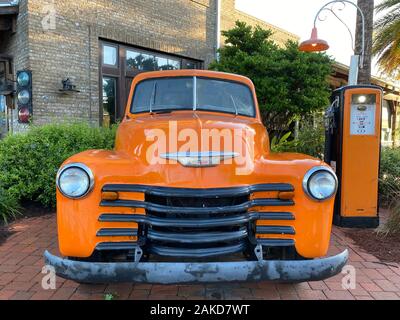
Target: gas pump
[353, 144]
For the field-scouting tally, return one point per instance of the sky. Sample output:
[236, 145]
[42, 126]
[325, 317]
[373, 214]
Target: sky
[297, 16]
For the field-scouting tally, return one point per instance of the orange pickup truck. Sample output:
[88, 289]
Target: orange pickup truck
[192, 193]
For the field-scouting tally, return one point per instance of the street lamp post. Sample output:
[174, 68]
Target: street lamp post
[314, 44]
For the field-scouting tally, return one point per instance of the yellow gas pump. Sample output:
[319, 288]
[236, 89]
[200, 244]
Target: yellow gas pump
[353, 144]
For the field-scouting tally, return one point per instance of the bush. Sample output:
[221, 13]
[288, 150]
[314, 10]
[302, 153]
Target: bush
[9, 206]
[389, 180]
[289, 83]
[392, 226]
[29, 162]
[311, 141]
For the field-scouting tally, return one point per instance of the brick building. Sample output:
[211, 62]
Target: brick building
[101, 45]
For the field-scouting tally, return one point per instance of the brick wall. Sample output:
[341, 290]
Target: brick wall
[17, 46]
[71, 50]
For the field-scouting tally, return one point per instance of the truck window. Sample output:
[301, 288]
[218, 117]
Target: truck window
[224, 96]
[163, 94]
[178, 93]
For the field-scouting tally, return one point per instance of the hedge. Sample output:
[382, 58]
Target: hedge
[29, 161]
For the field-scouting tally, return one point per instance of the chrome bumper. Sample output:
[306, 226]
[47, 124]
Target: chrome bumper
[178, 273]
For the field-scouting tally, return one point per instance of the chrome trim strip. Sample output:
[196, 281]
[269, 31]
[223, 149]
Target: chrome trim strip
[275, 230]
[197, 238]
[117, 232]
[196, 223]
[194, 210]
[276, 242]
[104, 246]
[197, 253]
[203, 193]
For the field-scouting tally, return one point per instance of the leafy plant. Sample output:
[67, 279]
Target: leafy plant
[289, 83]
[29, 162]
[110, 296]
[389, 180]
[310, 140]
[277, 143]
[9, 206]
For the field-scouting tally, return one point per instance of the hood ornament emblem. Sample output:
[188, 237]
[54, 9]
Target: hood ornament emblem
[200, 159]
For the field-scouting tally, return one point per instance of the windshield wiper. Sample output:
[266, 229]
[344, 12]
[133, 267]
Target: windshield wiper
[163, 111]
[234, 104]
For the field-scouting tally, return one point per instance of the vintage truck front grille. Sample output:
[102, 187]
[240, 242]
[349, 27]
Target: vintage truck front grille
[198, 223]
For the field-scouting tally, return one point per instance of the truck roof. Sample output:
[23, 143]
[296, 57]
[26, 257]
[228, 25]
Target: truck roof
[194, 73]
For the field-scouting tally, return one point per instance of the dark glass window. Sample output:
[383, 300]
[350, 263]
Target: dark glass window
[190, 65]
[136, 61]
[224, 96]
[109, 101]
[163, 94]
[141, 61]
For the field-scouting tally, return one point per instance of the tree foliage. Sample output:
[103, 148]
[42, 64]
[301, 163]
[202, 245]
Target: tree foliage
[386, 44]
[289, 83]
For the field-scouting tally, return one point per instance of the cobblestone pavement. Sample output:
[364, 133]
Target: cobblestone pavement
[21, 262]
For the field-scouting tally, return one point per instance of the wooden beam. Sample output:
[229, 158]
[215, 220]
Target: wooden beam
[14, 10]
[394, 122]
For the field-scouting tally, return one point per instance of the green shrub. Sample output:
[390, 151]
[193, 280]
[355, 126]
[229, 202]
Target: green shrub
[392, 225]
[311, 141]
[9, 206]
[29, 161]
[389, 180]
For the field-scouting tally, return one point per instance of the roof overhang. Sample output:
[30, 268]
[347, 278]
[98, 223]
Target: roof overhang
[342, 71]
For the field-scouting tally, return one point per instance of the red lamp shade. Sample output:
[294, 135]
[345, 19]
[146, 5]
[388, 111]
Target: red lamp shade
[314, 44]
[24, 115]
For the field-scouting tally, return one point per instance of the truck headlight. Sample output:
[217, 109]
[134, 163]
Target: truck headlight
[75, 180]
[320, 183]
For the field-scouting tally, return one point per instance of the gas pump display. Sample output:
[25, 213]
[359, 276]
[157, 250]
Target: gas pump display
[363, 111]
[353, 135]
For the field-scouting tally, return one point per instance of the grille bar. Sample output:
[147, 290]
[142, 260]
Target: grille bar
[202, 193]
[196, 238]
[105, 246]
[120, 232]
[275, 230]
[192, 210]
[276, 242]
[196, 223]
[165, 251]
[197, 253]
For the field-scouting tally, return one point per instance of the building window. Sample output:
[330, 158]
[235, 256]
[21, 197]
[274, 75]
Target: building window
[110, 55]
[120, 64]
[146, 62]
[109, 101]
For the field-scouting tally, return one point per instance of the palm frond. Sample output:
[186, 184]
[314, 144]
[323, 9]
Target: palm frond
[386, 42]
[387, 4]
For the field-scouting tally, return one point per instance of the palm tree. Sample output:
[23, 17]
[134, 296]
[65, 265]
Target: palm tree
[386, 44]
[367, 7]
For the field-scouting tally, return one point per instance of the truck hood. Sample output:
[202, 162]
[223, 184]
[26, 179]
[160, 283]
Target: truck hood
[151, 139]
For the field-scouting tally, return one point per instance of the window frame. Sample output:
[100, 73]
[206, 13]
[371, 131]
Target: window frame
[116, 47]
[195, 95]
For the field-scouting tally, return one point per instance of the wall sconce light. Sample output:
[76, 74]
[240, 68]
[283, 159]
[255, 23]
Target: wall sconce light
[68, 86]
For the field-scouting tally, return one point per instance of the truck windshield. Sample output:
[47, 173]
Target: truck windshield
[193, 93]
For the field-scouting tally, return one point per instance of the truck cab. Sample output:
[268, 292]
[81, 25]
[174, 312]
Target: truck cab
[192, 193]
